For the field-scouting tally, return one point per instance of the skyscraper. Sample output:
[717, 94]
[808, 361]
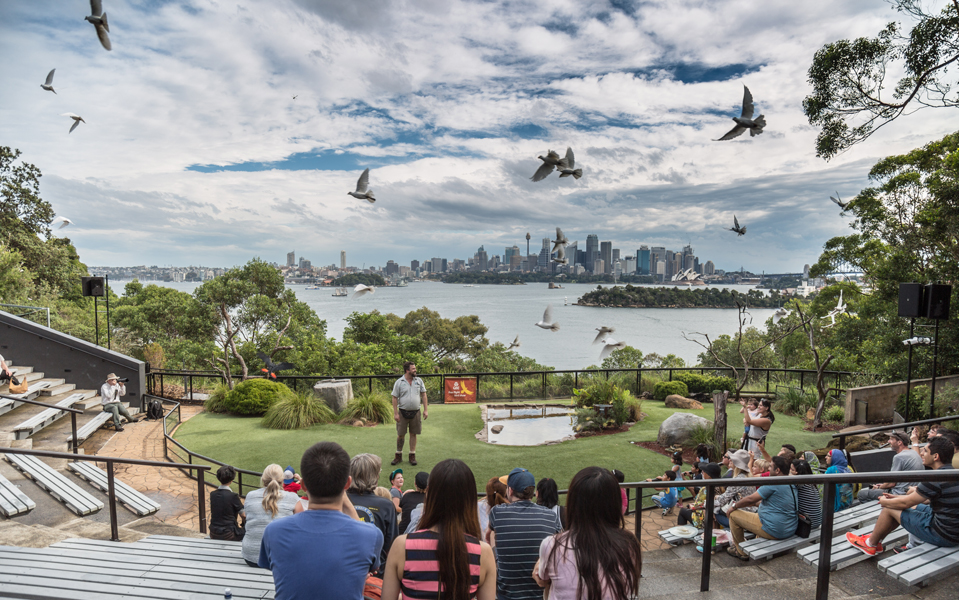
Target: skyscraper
[342, 259]
[437, 265]
[592, 250]
[291, 259]
[571, 251]
[656, 254]
[606, 254]
[544, 254]
[615, 255]
[391, 268]
[414, 265]
[481, 260]
[642, 260]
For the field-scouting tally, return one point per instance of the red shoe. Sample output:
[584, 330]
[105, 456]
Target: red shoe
[861, 543]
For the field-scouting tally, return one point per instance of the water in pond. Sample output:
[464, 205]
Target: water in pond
[528, 426]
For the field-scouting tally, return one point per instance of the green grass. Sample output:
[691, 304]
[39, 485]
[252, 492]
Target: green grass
[449, 433]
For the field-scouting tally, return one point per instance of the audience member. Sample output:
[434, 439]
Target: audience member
[517, 529]
[953, 436]
[739, 459]
[291, 481]
[365, 473]
[382, 492]
[495, 495]
[620, 478]
[759, 423]
[413, 498]
[758, 467]
[905, 459]
[787, 451]
[263, 506]
[935, 523]
[547, 494]
[445, 557]
[110, 394]
[597, 557]
[396, 488]
[746, 407]
[693, 474]
[667, 498]
[727, 465]
[836, 463]
[677, 459]
[777, 517]
[694, 513]
[225, 508]
[703, 453]
[324, 552]
[808, 499]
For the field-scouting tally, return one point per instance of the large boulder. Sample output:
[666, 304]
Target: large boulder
[677, 429]
[335, 393]
[677, 401]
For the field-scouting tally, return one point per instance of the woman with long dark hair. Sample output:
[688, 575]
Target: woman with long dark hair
[759, 423]
[597, 558]
[547, 494]
[444, 557]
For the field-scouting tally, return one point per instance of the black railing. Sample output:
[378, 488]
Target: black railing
[842, 436]
[111, 490]
[73, 414]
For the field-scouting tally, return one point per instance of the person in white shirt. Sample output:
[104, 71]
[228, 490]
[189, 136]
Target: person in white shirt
[4, 368]
[110, 394]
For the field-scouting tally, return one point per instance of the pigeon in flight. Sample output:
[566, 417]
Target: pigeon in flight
[780, 314]
[609, 346]
[361, 290]
[560, 240]
[99, 20]
[566, 169]
[550, 162]
[63, 221]
[561, 255]
[736, 227]
[547, 322]
[48, 85]
[515, 344]
[603, 333]
[363, 191]
[76, 120]
[746, 121]
[842, 205]
[272, 368]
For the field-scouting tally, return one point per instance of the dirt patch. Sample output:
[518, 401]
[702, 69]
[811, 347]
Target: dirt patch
[824, 427]
[689, 455]
[608, 431]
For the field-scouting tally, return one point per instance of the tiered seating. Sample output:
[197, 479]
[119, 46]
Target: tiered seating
[125, 494]
[12, 500]
[843, 554]
[921, 564]
[75, 498]
[47, 417]
[6, 405]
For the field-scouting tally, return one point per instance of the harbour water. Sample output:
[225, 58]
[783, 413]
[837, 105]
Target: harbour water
[511, 310]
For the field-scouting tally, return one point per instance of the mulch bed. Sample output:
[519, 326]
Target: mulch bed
[608, 431]
[824, 427]
[689, 455]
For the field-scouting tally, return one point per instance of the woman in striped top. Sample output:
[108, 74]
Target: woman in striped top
[445, 555]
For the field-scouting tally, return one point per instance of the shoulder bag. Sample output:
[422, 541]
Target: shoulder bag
[804, 525]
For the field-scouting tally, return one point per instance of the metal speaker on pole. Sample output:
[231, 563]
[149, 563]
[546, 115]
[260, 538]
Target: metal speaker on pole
[937, 300]
[93, 286]
[911, 300]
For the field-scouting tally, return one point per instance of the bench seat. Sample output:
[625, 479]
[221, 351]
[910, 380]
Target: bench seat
[126, 495]
[844, 554]
[12, 500]
[856, 516]
[88, 428]
[56, 484]
[922, 564]
[11, 402]
[45, 418]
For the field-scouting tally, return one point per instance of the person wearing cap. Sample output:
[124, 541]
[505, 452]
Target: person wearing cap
[905, 459]
[695, 513]
[412, 503]
[396, 488]
[409, 396]
[516, 531]
[110, 394]
[735, 491]
[291, 481]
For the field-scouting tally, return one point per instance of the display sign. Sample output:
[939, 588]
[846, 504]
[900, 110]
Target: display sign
[460, 390]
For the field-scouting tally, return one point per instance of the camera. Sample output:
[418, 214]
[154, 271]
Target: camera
[123, 379]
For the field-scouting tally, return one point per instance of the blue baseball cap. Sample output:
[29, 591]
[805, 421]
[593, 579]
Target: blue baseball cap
[519, 479]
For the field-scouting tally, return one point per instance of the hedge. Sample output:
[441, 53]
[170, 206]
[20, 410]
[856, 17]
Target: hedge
[254, 396]
[667, 388]
[704, 384]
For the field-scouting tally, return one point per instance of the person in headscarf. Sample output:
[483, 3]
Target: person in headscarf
[836, 463]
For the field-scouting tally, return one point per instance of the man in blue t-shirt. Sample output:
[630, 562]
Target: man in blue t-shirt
[778, 513]
[325, 551]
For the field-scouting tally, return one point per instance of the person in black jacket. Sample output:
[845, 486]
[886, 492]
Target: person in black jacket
[225, 507]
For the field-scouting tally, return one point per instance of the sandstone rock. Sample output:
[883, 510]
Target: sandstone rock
[496, 428]
[677, 401]
[678, 427]
[336, 393]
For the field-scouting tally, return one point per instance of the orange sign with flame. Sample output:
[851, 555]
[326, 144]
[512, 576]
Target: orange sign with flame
[460, 390]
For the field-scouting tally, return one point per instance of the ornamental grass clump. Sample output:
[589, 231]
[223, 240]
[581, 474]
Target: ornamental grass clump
[216, 402]
[298, 411]
[374, 407]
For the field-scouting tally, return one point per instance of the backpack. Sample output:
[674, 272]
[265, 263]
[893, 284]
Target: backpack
[154, 410]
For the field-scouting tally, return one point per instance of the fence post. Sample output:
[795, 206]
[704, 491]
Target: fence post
[112, 498]
[670, 374]
[201, 499]
[543, 393]
[801, 377]
[510, 386]
[825, 545]
[707, 539]
[767, 382]
[73, 426]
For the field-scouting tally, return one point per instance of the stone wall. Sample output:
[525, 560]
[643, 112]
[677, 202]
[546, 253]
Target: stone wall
[881, 400]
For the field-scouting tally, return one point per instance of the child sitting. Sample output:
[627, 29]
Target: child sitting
[668, 497]
[291, 481]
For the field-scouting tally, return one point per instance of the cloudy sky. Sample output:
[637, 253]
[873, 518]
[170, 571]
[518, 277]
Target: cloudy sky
[195, 150]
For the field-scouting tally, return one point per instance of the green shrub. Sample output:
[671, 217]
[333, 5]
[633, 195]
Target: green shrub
[216, 402]
[793, 401]
[668, 388]
[701, 434]
[376, 407]
[918, 403]
[296, 411]
[704, 384]
[598, 391]
[587, 419]
[254, 396]
[834, 414]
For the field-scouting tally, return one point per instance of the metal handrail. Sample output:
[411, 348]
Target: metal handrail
[73, 415]
[842, 436]
[111, 491]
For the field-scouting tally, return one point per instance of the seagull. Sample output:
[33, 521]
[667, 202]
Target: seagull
[561, 255]
[566, 169]
[610, 345]
[839, 310]
[603, 333]
[736, 227]
[363, 191]
[76, 120]
[271, 367]
[99, 20]
[550, 162]
[48, 85]
[515, 344]
[560, 239]
[780, 314]
[63, 221]
[361, 290]
[837, 200]
[547, 322]
[745, 121]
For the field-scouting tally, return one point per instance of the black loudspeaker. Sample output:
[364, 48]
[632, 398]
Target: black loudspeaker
[911, 296]
[93, 286]
[937, 300]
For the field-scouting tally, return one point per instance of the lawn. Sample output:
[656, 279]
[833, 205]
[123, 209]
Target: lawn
[449, 433]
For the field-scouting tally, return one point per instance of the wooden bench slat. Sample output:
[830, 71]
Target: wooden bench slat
[12, 500]
[847, 519]
[73, 497]
[83, 545]
[843, 554]
[127, 496]
[89, 428]
[919, 565]
[46, 418]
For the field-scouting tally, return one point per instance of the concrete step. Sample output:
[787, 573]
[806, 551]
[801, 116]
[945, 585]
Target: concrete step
[33, 376]
[20, 369]
[58, 389]
[92, 400]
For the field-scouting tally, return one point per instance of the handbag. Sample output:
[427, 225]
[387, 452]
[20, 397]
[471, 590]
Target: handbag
[804, 525]
[409, 414]
[19, 387]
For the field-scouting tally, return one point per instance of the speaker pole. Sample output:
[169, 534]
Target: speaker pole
[912, 324]
[107, 279]
[96, 318]
[935, 360]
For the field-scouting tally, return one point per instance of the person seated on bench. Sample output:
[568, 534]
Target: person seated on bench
[935, 523]
[667, 498]
[904, 460]
[695, 513]
[788, 451]
[5, 373]
[110, 394]
[935, 431]
[810, 503]
[265, 505]
[837, 463]
[225, 507]
[739, 459]
[777, 517]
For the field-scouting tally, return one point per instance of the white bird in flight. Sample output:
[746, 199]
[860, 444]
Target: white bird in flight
[780, 314]
[99, 20]
[603, 333]
[840, 309]
[76, 120]
[547, 322]
[361, 290]
[567, 169]
[48, 84]
[363, 191]
[609, 346]
[63, 221]
[560, 240]
[745, 120]
[550, 162]
[515, 344]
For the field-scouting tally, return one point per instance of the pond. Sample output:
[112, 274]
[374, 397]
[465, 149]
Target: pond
[528, 425]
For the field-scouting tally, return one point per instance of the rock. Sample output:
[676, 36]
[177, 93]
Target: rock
[677, 401]
[678, 427]
[496, 428]
[336, 393]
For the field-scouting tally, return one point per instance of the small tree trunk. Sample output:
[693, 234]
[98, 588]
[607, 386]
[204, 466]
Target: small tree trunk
[822, 390]
[719, 420]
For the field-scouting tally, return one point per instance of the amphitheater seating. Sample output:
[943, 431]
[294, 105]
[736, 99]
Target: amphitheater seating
[12, 500]
[89, 428]
[843, 554]
[125, 494]
[45, 418]
[922, 564]
[74, 497]
[33, 391]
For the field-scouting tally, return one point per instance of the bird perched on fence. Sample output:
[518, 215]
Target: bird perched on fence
[568, 168]
[99, 20]
[272, 368]
[363, 191]
[603, 333]
[745, 120]
[550, 162]
[515, 344]
[737, 228]
[48, 84]
[361, 290]
[547, 322]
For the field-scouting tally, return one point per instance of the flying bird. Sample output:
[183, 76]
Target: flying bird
[271, 367]
[560, 240]
[48, 84]
[603, 333]
[840, 309]
[99, 20]
[63, 221]
[550, 162]
[842, 205]
[294, 97]
[363, 191]
[610, 345]
[547, 322]
[361, 290]
[780, 314]
[745, 121]
[566, 169]
[561, 255]
[515, 344]
[736, 227]
[76, 120]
